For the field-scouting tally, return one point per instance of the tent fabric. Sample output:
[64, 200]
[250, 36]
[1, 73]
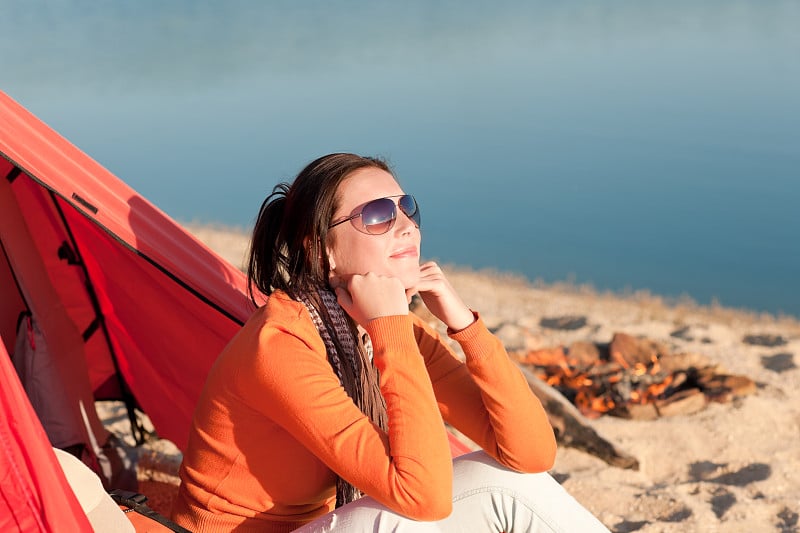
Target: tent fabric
[49, 291]
[34, 493]
[59, 166]
[166, 304]
[117, 288]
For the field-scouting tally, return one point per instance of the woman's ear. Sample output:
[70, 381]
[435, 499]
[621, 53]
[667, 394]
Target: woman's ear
[331, 260]
[306, 245]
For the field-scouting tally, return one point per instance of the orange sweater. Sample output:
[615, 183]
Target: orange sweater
[273, 423]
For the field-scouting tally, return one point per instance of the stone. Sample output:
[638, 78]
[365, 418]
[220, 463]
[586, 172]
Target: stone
[545, 357]
[674, 362]
[629, 351]
[780, 362]
[568, 322]
[685, 402]
[682, 333]
[767, 340]
[637, 411]
[724, 387]
[583, 353]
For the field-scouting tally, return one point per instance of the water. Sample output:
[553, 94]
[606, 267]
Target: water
[630, 145]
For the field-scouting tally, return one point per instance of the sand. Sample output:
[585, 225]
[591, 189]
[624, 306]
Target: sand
[730, 467]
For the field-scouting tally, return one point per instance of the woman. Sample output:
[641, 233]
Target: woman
[332, 389]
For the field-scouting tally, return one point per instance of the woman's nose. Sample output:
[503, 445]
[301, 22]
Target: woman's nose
[404, 224]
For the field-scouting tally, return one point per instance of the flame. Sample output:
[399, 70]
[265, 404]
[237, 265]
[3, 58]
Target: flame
[655, 365]
[595, 386]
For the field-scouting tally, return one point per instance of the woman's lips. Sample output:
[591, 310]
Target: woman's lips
[402, 253]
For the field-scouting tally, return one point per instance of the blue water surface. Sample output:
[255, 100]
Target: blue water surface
[626, 144]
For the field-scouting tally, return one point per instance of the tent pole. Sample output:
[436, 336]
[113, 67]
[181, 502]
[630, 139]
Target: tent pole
[127, 396]
[14, 276]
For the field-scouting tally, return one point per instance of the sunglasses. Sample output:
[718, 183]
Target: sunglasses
[378, 216]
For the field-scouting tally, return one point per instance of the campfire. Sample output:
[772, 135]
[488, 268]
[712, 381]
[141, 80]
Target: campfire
[633, 378]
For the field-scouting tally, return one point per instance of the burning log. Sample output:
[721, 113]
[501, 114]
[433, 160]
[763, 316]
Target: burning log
[633, 378]
[572, 429]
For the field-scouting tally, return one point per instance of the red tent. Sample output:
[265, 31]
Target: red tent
[108, 275]
[30, 475]
[118, 290]
[129, 304]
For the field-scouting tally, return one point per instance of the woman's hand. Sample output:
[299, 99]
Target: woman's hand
[369, 296]
[441, 299]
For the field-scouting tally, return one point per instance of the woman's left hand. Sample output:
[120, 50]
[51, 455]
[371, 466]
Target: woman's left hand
[441, 299]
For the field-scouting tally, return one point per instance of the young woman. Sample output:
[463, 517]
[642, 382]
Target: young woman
[333, 390]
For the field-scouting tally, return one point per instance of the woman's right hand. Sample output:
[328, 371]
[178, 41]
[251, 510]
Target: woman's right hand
[369, 296]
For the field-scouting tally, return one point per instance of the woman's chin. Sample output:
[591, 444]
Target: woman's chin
[410, 280]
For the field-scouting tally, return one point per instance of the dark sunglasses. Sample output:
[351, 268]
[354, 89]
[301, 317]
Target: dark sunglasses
[378, 216]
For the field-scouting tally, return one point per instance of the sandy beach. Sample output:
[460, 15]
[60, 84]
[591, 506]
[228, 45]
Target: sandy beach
[732, 466]
[729, 467]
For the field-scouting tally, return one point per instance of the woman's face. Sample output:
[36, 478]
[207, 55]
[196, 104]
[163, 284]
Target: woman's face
[394, 253]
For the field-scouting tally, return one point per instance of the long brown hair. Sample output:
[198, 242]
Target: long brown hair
[288, 253]
[288, 247]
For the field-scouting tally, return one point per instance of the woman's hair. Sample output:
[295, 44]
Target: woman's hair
[288, 248]
[288, 252]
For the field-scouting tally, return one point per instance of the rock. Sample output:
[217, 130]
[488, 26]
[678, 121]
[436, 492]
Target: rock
[674, 362]
[682, 333]
[568, 322]
[780, 362]
[637, 411]
[544, 357]
[629, 351]
[685, 402]
[765, 340]
[723, 387]
[584, 353]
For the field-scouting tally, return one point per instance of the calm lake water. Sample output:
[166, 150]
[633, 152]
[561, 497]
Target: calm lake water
[630, 145]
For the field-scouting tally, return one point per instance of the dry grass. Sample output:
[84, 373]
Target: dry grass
[231, 243]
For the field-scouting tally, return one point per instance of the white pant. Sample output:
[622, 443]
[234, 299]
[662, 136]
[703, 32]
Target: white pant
[487, 497]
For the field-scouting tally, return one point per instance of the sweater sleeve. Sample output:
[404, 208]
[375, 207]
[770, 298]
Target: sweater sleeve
[409, 470]
[487, 398]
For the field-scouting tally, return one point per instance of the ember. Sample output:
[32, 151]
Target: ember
[633, 378]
